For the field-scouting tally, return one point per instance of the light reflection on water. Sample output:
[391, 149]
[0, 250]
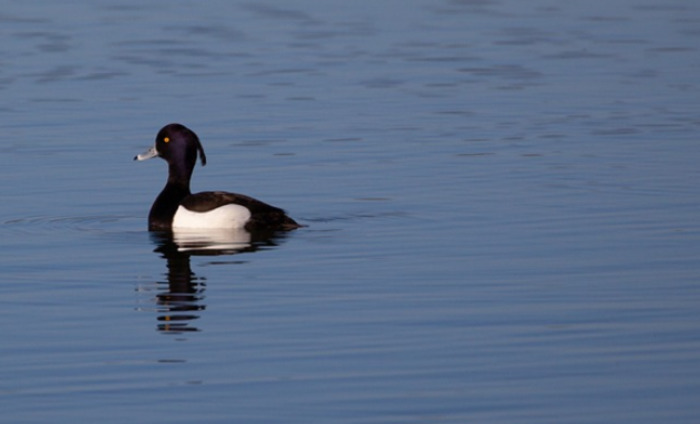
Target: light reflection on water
[180, 298]
[501, 203]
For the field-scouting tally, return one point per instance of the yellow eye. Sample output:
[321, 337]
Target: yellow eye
[166, 139]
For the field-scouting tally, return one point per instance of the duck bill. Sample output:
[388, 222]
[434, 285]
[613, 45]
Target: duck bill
[148, 154]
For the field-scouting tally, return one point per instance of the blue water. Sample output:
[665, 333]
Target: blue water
[501, 201]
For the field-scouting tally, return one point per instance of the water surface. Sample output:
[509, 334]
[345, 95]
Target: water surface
[500, 197]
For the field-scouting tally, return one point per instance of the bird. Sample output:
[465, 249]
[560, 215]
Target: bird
[176, 207]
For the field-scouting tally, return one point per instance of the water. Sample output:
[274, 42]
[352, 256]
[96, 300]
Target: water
[501, 201]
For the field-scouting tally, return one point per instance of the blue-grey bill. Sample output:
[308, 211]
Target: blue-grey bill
[150, 153]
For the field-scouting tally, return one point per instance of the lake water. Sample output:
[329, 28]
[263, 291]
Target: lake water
[501, 200]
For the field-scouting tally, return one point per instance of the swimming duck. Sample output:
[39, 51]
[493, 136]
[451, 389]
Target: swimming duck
[177, 208]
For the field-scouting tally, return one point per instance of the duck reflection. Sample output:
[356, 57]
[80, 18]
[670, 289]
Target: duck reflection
[180, 299]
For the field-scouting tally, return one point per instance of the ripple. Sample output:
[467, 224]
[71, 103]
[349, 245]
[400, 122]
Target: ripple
[359, 216]
[92, 224]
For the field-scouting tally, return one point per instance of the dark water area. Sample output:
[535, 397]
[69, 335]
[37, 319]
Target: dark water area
[500, 203]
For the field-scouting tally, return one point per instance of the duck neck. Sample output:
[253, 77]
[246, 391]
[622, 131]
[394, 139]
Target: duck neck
[176, 189]
[179, 175]
[166, 204]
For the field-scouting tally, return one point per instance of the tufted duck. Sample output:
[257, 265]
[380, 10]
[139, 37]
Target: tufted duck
[177, 208]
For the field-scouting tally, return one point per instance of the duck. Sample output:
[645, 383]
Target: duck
[176, 207]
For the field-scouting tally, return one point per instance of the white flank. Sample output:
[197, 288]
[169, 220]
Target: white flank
[227, 216]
